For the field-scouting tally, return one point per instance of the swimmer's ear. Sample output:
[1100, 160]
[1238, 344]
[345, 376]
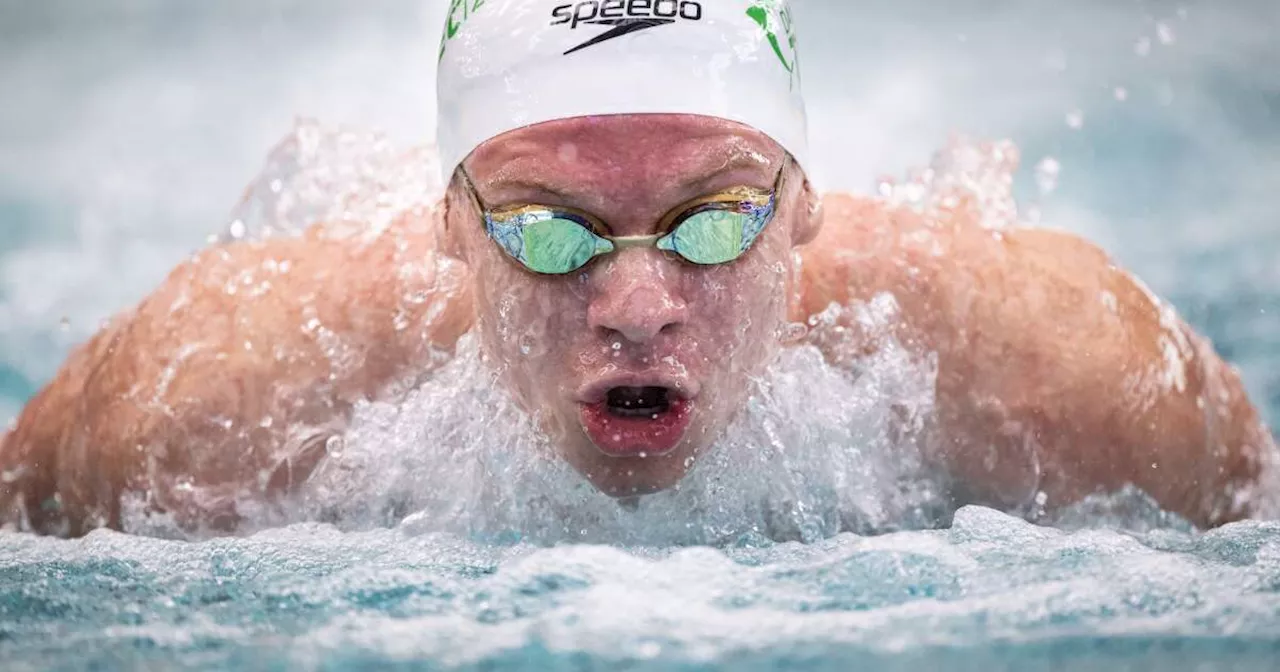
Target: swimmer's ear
[454, 211]
[808, 222]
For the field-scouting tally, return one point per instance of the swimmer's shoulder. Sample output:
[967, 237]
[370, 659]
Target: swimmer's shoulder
[241, 350]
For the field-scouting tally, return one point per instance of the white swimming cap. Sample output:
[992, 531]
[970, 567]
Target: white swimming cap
[507, 64]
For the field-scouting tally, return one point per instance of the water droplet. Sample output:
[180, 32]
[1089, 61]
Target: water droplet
[237, 230]
[1047, 172]
[334, 446]
[1075, 119]
[643, 455]
[617, 345]
[1142, 47]
[1042, 498]
[1164, 32]
[617, 437]
[568, 152]
[1121, 93]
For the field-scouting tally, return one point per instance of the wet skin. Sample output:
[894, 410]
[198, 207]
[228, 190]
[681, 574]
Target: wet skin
[198, 394]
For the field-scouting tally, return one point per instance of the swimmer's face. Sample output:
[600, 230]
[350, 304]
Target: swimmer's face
[635, 363]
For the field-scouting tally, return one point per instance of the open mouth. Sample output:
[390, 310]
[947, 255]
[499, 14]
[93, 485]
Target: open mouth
[638, 402]
[637, 421]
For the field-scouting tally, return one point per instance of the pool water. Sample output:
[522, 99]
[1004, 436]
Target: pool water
[991, 593]
[1149, 129]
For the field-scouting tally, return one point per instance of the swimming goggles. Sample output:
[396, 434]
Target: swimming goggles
[707, 231]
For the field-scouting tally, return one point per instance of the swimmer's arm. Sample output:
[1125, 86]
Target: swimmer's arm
[1058, 373]
[230, 375]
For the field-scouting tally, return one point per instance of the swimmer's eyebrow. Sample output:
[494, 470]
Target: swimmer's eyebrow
[700, 185]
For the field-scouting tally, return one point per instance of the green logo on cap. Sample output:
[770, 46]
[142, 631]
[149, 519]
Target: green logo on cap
[459, 12]
[775, 17]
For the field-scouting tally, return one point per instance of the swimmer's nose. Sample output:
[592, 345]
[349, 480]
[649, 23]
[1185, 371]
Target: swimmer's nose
[636, 296]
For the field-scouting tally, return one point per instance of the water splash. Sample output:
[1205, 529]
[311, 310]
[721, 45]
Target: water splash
[965, 173]
[354, 182]
[816, 452]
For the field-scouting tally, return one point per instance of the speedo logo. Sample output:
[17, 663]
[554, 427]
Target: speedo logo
[625, 16]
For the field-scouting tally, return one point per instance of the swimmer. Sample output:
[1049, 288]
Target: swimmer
[630, 225]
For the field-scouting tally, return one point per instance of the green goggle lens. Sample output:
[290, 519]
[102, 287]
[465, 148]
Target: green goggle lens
[709, 237]
[557, 246]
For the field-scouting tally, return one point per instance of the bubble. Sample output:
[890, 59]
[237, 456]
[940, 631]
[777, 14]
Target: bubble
[1075, 119]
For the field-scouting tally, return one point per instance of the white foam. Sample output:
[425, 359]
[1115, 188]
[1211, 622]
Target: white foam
[813, 453]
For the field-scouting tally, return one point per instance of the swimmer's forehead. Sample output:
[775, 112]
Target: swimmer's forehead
[662, 153]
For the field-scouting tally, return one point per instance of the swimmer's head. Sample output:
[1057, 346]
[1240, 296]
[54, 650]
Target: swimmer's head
[626, 182]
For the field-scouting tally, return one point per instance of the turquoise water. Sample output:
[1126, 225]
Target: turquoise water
[129, 133]
[990, 593]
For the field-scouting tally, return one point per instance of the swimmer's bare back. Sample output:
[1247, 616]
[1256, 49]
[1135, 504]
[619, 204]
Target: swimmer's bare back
[1057, 373]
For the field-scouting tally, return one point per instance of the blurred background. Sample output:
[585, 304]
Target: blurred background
[129, 128]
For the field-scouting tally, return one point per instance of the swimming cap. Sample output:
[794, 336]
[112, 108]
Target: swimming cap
[507, 64]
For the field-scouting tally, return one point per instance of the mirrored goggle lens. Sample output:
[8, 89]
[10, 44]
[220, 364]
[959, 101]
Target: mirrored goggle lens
[550, 245]
[714, 236]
